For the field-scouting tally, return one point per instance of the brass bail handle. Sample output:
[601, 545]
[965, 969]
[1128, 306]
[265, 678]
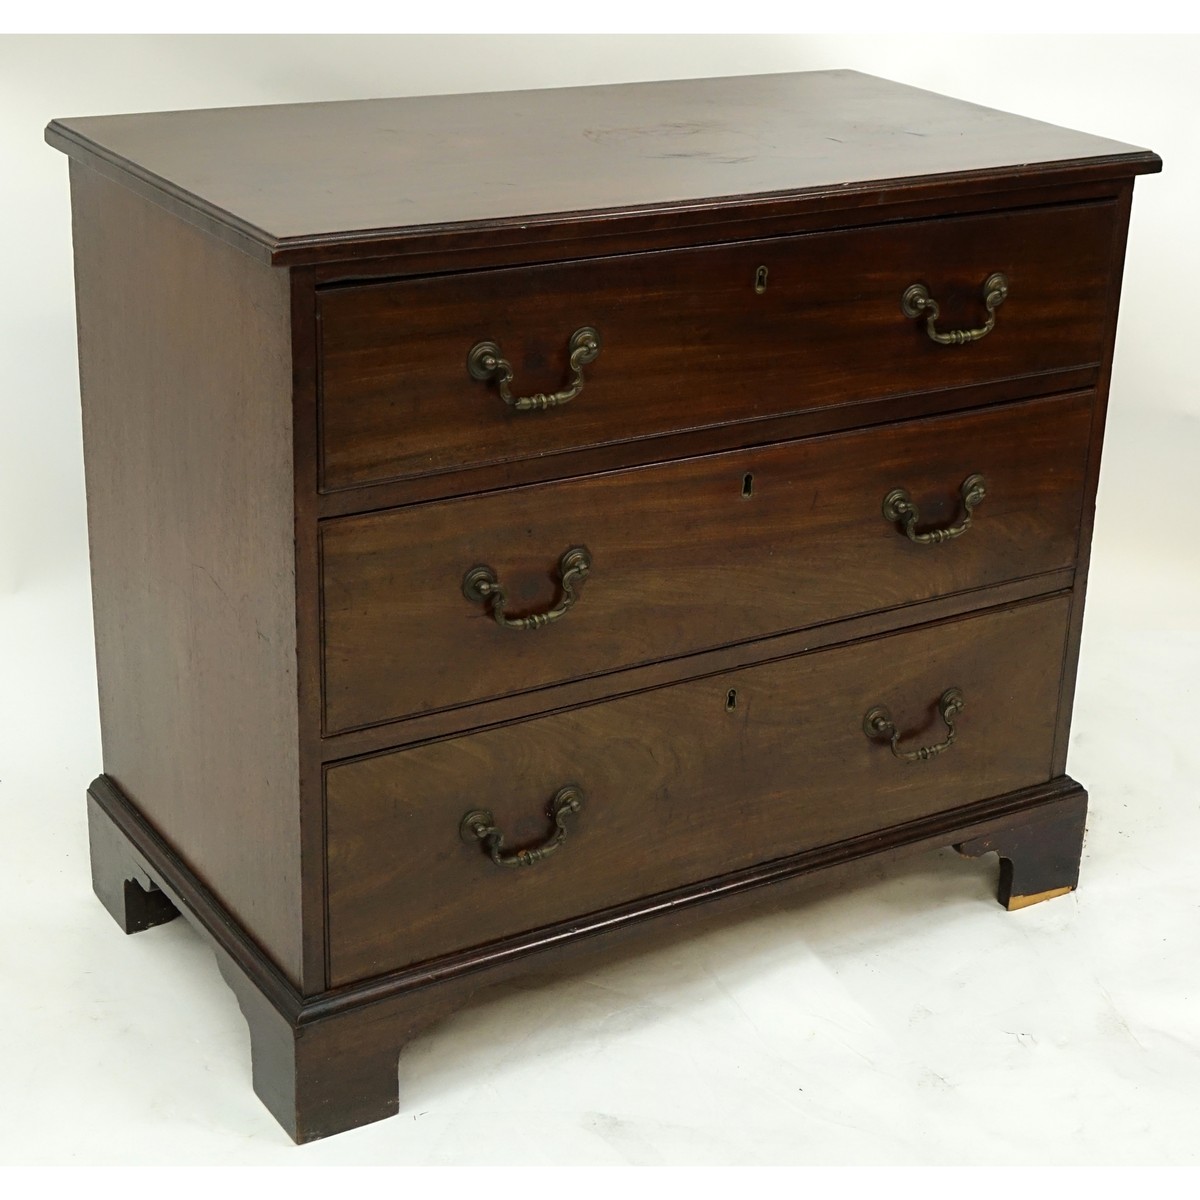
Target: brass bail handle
[917, 302]
[898, 507]
[879, 727]
[480, 825]
[485, 362]
[482, 583]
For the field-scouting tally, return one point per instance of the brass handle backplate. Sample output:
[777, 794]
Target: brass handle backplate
[879, 727]
[482, 583]
[898, 506]
[485, 362]
[480, 825]
[917, 302]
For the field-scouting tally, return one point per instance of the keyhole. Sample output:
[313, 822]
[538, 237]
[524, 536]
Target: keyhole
[731, 700]
[747, 486]
[760, 280]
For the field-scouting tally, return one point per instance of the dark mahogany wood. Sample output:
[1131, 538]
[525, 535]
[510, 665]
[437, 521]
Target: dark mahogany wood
[489, 713]
[523, 166]
[325, 1077]
[1039, 852]
[1088, 517]
[311, 798]
[680, 783]
[185, 369]
[120, 882]
[325, 1064]
[688, 556]
[289, 472]
[687, 342]
[463, 251]
[479, 480]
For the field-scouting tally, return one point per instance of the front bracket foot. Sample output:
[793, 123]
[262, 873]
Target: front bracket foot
[1039, 850]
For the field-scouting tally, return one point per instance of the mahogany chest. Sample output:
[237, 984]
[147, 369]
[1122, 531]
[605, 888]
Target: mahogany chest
[517, 519]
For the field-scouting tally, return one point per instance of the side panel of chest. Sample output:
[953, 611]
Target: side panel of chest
[186, 382]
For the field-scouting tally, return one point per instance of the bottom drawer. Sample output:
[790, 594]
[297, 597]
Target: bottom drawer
[680, 784]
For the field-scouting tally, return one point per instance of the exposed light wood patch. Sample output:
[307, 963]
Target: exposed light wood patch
[1025, 901]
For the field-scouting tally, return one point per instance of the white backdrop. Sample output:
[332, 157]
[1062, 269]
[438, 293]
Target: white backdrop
[909, 1021]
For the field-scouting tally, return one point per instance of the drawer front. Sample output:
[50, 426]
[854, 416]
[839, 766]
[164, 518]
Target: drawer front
[687, 341]
[688, 556]
[681, 784]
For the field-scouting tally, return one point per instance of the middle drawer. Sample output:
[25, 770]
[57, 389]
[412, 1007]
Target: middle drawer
[649, 563]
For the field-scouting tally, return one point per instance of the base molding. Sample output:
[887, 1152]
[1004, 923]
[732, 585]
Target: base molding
[327, 1062]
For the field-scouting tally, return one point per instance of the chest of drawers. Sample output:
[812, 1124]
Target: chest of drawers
[521, 520]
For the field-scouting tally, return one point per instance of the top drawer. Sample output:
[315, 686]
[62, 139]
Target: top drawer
[694, 338]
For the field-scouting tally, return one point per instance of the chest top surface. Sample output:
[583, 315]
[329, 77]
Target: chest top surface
[302, 182]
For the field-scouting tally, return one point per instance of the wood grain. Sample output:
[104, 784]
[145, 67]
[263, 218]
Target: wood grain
[680, 786]
[185, 372]
[520, 166]
[1039, 852]
[439, 253]
[121, 884]
[327, 1063]
[308, 625]
[1092, 483]
[686, 342]
[711, 440]
[450, 722]
[289, 472]
[683, 560]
